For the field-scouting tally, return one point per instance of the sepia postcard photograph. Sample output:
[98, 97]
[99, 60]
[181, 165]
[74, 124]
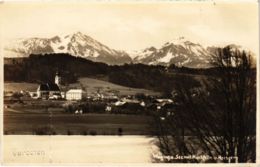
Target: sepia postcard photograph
[129, 82]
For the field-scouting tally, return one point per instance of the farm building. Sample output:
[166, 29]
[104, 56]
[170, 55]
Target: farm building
[48, 90]
[74, 94]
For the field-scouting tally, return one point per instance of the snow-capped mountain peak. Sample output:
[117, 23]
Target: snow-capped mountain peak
[179, 51]
[77, 44]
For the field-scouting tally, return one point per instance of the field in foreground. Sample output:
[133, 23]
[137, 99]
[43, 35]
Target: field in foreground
[19, 121]
[77, 149]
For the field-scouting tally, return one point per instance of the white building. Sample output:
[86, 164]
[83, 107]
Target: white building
[74, 94]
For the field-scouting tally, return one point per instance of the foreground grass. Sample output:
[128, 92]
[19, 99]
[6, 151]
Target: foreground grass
[55, 122]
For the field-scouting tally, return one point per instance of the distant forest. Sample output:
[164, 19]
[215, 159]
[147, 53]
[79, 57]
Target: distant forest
[42, 68]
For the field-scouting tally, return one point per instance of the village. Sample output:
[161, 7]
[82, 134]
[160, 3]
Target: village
[109, 110]
[57, 92]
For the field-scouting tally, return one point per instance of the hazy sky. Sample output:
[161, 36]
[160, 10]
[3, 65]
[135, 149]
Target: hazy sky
[133, 26]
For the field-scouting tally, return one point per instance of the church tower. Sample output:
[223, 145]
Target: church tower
[58, 79]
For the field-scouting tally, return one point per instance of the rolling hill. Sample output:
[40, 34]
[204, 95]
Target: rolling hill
[91, 86]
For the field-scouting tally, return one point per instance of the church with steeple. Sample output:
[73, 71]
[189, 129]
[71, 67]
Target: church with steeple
[55, 90]
[50, 90]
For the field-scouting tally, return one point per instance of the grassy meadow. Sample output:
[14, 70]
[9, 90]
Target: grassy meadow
[49, 118]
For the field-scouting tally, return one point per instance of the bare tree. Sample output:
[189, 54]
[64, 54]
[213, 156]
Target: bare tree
[217, 119]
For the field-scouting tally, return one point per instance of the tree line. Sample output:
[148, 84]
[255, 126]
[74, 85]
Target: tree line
[42, 69]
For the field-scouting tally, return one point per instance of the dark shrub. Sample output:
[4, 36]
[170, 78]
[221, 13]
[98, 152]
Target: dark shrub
[69, 132]
[84, 133]
[120, 131]
[44, 131]
[93, 133]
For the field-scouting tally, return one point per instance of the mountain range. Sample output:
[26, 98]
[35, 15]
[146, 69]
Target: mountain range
[180, 52]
